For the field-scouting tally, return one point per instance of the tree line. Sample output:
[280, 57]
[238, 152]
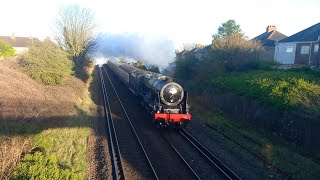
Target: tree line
[230, 51]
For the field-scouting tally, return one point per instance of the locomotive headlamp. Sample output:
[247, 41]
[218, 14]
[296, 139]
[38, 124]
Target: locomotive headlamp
[171, 94]
[173, 90]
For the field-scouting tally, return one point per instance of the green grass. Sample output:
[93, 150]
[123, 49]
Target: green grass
[278, 152]
[284, 89]
[40, 166]
[64, 148]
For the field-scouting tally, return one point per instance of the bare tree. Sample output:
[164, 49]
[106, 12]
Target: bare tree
[75, 32]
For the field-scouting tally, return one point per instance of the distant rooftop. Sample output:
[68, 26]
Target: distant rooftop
[270, 36]
[18, 41]
[310, 34]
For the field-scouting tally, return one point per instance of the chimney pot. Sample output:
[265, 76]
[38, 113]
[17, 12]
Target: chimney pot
[271, 28]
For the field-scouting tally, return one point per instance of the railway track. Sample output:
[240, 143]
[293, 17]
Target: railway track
[117, 168]
[129, 158]
[203, 164]
[265, 161]
[195, 158]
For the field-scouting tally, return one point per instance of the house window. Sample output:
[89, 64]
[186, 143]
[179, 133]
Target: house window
[305, 49]
[289, 49]
[316, 48]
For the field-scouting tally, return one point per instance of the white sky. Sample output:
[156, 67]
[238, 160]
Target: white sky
[183, 21]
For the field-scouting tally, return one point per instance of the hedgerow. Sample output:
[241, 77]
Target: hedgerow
[47, 63]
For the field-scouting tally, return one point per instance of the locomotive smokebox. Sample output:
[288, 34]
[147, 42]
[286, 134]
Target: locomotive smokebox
[171, 94]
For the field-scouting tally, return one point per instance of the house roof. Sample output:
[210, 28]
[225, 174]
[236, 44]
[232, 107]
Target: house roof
[310, 34]
[270, 38]
[17, 41]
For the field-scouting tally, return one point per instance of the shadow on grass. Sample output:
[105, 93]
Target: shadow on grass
[21, 126]
[35, 122]
[81, 73]
[95, 87]
[58, 127]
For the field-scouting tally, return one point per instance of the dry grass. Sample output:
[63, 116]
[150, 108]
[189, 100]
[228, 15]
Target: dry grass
[20, 96]
[27, 107]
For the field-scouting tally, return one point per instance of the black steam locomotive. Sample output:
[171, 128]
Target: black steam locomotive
[164, 99]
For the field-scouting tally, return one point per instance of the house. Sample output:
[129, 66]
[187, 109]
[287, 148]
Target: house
[199, 52]
[268, 39]
[20, 44]
[301, 48]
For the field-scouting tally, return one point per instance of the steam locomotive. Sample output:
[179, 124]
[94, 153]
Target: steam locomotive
[164, 99]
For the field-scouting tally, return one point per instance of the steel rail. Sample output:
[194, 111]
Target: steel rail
[181, 157]
[265, 161]
[116, 158]
[132, 127]
[224, 169]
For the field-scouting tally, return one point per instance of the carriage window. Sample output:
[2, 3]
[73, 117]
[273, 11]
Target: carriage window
[305, 49]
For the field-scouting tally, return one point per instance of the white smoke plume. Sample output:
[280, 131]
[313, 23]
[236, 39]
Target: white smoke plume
[152, 50]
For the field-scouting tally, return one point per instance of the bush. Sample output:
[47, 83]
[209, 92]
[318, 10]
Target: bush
[47, 63]
[40, 166]
[6, 50]
[186, 69]
[236, 51]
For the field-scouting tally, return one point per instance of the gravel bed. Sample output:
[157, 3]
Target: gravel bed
[202, 166]
[98, 155]
[134, 163]
[239, 160]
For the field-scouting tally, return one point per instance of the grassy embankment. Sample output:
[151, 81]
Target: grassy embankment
[296, 163]
[285, 89]
[47, 126]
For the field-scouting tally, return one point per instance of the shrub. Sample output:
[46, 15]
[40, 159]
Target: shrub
[6, 50]
[40, 166]
[47, 63]
[236, 51]
[186, 69]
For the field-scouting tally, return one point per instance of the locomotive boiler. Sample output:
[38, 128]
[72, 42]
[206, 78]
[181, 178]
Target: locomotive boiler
[163, 98]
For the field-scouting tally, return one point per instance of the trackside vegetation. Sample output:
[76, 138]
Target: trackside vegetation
[40, 166]
[60, 152]
[284, 89]
[294, 162]
[45, 62]
[45, 120]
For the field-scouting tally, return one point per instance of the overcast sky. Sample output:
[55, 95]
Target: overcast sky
[182, 21]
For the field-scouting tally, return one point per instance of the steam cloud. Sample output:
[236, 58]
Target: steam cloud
[152, 50]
